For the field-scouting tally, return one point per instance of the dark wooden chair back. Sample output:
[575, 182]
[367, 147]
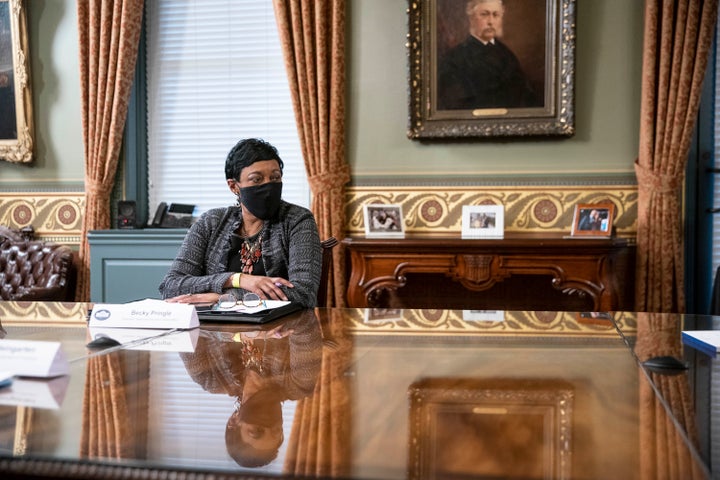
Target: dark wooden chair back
[327, 265]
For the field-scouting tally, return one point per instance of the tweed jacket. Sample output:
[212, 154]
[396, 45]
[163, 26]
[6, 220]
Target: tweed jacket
[290, 249]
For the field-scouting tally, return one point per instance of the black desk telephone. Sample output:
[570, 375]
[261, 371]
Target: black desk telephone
[177, 215]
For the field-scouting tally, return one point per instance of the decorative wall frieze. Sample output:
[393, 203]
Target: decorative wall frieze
[508, 324]
[43, 313]
[437, 210]
[55, 216]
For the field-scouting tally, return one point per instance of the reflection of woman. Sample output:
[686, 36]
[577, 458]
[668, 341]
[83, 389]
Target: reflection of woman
[261, 369]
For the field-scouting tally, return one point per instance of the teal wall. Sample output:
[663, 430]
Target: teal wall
[607, 87]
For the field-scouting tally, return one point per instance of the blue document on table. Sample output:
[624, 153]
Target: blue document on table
[706, 341]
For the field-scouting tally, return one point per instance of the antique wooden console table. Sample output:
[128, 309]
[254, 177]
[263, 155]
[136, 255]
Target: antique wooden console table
[521, 271]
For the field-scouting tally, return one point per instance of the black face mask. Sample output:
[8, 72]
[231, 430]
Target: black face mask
[263, 408]
[263, 201]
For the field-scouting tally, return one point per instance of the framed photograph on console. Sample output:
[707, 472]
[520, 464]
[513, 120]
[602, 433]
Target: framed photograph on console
[593, 220]
[483, 221]
[514, 77]
[16, 119]
[383, 221]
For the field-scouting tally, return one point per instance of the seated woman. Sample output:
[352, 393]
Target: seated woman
[263, 245]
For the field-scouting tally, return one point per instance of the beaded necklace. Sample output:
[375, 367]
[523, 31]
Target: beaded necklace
[250, 252]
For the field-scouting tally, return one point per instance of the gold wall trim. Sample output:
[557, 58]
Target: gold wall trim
[568, 326]
[43, 313]
[438, 209]
[56, 216]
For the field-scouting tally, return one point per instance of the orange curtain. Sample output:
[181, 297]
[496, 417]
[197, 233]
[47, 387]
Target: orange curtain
[320, 440]
[664, 455]
[106, 428]
[677, 38]
[312, 34]
[109, 31]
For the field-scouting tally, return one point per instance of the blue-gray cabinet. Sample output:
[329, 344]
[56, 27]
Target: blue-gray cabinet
[128, 265]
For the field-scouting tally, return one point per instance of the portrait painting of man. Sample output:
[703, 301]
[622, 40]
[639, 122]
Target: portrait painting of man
[490, 54]
[491, 68]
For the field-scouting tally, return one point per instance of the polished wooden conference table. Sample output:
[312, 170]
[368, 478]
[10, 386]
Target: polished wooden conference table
[365, 394]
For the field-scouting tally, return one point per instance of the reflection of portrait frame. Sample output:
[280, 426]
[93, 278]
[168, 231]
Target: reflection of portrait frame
[584, 226]
[16, 121]
[484, 417]
[383, 220]
[542, 37]
[483, 221]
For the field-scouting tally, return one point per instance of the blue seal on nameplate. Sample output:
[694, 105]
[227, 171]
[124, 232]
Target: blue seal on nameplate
[102, 314]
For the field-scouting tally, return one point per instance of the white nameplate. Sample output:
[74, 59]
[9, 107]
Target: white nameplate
[150, 340]
[148, 313]
[28, 358]
[36, 393]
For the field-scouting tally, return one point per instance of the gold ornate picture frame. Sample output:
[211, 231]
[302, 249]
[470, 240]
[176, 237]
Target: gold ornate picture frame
[16, 120]
[511, 428]
[536, 41]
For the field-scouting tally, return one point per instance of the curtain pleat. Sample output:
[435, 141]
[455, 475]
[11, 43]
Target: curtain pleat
[663, 457]
[319, 444]
[677, 39]
[106, 425]
[312, 35]
[108, 31]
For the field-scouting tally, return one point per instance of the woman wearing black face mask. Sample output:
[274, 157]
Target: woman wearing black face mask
[263, 245]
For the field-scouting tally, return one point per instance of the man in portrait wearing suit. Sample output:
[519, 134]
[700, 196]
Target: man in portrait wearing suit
[591, 221]
[482, 72]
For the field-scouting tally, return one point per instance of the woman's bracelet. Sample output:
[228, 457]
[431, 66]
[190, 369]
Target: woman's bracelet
[236, 280]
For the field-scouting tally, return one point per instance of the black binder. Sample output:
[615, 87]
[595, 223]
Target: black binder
[206, 314]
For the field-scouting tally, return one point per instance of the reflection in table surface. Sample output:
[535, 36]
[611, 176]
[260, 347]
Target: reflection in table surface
[363, 393]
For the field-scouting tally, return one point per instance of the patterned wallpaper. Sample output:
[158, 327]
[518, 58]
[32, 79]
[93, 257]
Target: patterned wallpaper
[56, 216]
[427, 210]
[438, 210]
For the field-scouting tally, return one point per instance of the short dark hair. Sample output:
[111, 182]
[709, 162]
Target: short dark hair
[246, 152]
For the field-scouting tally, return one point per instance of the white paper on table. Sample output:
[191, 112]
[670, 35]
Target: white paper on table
[265, 305]
[31, 358]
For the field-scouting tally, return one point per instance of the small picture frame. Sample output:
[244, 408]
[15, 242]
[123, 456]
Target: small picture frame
[484, 315]
[483, 221]
[593, 220]
[383, 220]
[604, 319]
[383, 315]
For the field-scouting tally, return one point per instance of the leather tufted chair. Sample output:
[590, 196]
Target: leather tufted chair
[33, 270]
